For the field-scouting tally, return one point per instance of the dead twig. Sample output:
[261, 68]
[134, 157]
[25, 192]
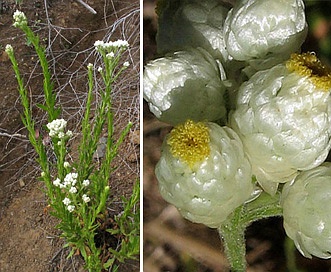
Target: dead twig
[89, 8]
[197, 249]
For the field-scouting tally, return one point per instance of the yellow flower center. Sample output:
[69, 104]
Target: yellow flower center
[189, 142]
[307, 64]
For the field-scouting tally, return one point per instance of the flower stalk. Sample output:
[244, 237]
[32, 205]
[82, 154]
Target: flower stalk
[232, 231]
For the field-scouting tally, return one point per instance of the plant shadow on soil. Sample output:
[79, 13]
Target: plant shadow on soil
[28, 238]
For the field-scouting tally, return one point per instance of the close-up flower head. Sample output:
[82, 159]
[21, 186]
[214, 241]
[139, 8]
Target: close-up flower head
[262, 29]
[306, 210]
[283, 117]
[201, 166]
[185, 85]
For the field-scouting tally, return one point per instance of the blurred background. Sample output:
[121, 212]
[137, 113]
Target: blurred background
[172, 243]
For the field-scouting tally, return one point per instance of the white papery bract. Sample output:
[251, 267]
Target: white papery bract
[209, 190]
[306, 206]
[191, 23]
[284, 121]
[265, 29]
[185, 85]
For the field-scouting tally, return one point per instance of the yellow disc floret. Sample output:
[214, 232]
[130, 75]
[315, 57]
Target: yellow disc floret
[189, 142]
[307, 64]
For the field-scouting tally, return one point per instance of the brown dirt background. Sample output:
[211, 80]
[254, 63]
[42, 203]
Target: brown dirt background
[28, 240]
[174, 244]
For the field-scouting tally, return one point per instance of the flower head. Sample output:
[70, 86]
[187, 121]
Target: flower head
[259, 29]
[57, 182]
[66, 201]
[126, 64]
[56, 128]
[306, 210]
[193, 23]
[283, 116]
[86, 182]
[70, 179]
[70, 208]
[73, 190]
[9, 49]
[200, 180]
[185, 85]
[19, 19]
[85, 198]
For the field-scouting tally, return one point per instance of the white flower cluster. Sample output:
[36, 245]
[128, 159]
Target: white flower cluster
[244, 59]
[19, 19]
[70, 184]
[9, 49]
[109, 46]
[57, 127]
[70, 180]
[66, 201]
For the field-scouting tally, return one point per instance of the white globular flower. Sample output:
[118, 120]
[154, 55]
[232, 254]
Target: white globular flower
[259, 29]
[73, 190]
[126, 64]
[203, 172]
[66, 201]
[57, 127]
[283, 117]
[100, 69]
[185, 85]
[86, 182]
[19, 19]
[194, 23]
[306, 206]
[9, 49]
[70, 208]
[90, 66]
[85, 198]
[57, 182]
[66, 164]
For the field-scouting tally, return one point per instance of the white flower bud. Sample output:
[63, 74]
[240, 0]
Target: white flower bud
[306, 209]
[256, 29]
[283, 117]
[185, 85]
[194, 23]
[203, 172]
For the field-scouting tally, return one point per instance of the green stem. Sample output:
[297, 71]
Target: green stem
[232, 231]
